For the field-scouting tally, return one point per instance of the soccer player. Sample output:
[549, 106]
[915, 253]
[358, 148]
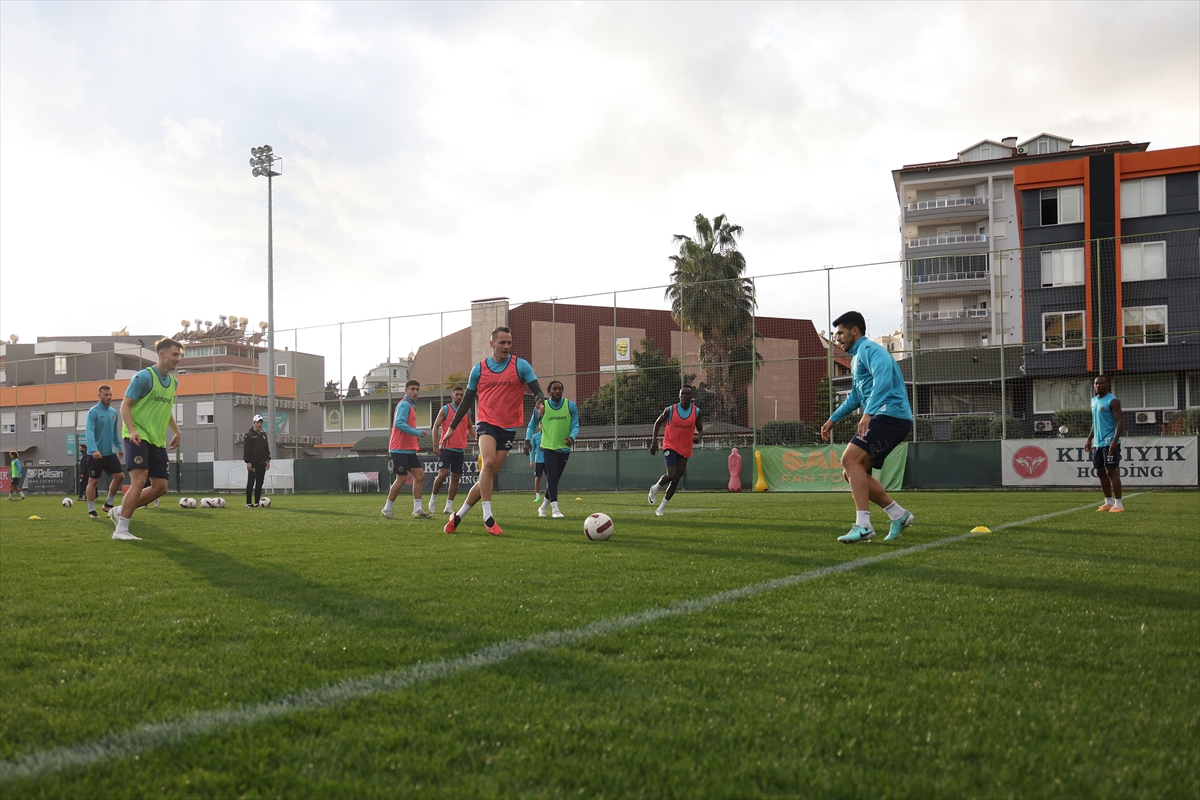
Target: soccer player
[402, 453]
[450, 457]
[499, 382]
[81, 469]
[684, 427]
[537, 461]
[559, 421]
[1108, 423]
[877, 387]
[15, 473]
[103, 442]
[146, 412]
[256, 452]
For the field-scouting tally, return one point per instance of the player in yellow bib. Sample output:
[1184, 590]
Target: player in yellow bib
[146, 412]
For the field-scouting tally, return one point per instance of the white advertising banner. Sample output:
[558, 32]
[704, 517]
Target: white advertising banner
[230, 475]
[1145, 461]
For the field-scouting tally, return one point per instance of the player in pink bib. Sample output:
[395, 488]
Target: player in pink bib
[683, 430]
[499, 384]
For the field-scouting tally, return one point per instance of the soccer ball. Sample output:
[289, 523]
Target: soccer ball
[265, 502]
[187, 502]
[206, 502]
[598, 527]
[68, 502]
[218, 502]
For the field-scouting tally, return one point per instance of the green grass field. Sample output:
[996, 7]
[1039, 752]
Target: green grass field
[315, 649]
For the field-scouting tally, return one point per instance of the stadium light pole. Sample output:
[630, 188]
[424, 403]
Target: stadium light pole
[264, 163]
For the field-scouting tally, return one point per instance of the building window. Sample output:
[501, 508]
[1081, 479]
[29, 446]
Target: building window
[81, 420]
[352, 421]
[37, 421]
[1062, 267]
[179, 413]
[1145, 325]
[1144, 198]
[60, 365]
[1193, 389]
[8, 423]
[1143, 262]
[205, 457]
[377, 417]
[998, 190]
[1062, 206]
[1063, 331]
[281, 370]
[204, 413]
[1055, 395]
[1142, 392]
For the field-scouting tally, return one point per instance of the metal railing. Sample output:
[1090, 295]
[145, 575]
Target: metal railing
[965, 313]
[957, 238]
[951, 276]
[946, 202]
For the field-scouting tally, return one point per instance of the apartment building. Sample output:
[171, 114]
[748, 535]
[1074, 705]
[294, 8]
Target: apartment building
[959, 239]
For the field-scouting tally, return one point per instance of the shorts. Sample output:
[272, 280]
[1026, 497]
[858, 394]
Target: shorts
[539, 469]
[504, 438]
[110, 464]
[148, 457]
[673, 457]
[451, 460]
[883, 435]
[401, 463]
[1102, 459]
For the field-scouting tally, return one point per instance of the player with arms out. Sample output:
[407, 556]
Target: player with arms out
[878, 389]
[450, 457]
[402, 453]
[559, 423]
[104, 443]
[1108, 423]
[499, 382]
[146, 413]
[684, 427]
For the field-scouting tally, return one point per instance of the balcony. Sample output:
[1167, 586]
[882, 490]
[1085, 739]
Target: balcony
[946, 210]
[958, 320]
[956, 238]
[946, 202]
[957, 282]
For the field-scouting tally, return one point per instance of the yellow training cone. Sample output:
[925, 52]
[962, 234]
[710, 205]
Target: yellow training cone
[35, 516]
[980, 529]
[578, 498]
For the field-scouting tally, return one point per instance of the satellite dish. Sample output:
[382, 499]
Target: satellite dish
[12, 337]
[208, 323]
[185, 323]
[222, 318]
[243, 322]
[262, 325]
[197, 321]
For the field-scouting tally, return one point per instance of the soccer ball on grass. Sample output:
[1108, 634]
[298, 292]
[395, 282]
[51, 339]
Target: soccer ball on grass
[598, 527]
[68, 502]
[218, 502]
[187, 502]
[265, 502]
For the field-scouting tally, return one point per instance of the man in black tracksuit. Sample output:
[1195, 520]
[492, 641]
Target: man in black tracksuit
[85, 460]
[256, 453]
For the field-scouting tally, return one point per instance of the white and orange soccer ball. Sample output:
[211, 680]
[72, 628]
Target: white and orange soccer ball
[598, 527]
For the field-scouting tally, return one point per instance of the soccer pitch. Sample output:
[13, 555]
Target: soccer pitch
[730, 649]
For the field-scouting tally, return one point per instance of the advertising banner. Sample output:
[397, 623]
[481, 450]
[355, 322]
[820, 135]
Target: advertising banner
[1145, 461]
[49, 480]
[819, 469]
[5, 482]
[229, 475]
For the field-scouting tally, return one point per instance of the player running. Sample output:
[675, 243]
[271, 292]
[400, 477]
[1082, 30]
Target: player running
[402, 453]
[103, 443]
[684, 427]
[16, 471]
[146, 413]
[450, 457]
[499, 382]
[559, 422]
[1108, 423]
[537, 462]
[878, 388]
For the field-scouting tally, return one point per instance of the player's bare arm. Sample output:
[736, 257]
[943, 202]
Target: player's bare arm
[174, 426]
[699, 427]
[437, 424]
[539, 399]
[127, 405]
[467, 401]
[658, 423]
[1115, 407]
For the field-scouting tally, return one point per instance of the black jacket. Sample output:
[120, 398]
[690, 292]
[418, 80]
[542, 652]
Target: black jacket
[256, 449]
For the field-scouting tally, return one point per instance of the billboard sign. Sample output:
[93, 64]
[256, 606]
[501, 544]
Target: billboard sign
[1145, 461]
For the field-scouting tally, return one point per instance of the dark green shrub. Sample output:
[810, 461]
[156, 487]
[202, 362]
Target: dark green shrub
[923, 429]
[970, 427]
[1191, 421]
[785, 433]
[1077, 420]
[1015, 428]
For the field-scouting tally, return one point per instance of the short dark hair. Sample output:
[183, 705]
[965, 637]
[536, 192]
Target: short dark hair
[103, 386]
[499, 329]
[412, 383]
[851, 319]
[551, 385]
[689, 387]
[166, 343]
[457, 389]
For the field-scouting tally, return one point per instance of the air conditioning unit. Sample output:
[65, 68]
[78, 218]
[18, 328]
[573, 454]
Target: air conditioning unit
[1145, 417]
[1022, 151]
[1043, 426]
[1169, 416]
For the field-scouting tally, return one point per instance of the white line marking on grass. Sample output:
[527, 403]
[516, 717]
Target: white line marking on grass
[144, 738]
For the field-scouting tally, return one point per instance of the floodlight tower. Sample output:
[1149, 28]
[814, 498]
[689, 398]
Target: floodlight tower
[265, 163]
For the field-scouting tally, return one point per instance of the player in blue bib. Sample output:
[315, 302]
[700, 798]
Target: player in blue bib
[1108, 423]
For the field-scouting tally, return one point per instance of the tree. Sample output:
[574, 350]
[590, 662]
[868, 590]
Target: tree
[331, 390]
[642, 394]
[711, 298]
[352, 389]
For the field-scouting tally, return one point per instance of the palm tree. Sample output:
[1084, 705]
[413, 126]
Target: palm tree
[711, 298]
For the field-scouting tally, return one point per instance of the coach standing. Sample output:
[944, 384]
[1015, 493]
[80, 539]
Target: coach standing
[256, 452]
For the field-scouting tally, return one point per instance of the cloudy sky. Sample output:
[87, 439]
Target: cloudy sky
[438, 153]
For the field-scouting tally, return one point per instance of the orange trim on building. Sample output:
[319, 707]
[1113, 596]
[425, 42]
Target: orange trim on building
[1048, 176]
[189, 386]
[1159, 162]
[1117, 259]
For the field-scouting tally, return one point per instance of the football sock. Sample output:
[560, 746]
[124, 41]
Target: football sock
[123, 524]
[462, 512]
[545, 504]
[432, 501]
[863, 519]
[554, 505]
[387, 506]
[91, 505]
[487, 509]
[663, 505]
[1118, 503]
[416, 506]
[1108, 501]
[537, 496]
[895, 511]
[109, 501]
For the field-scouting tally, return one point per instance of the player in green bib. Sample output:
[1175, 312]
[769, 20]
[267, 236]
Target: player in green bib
[146, 412]
[560, 425]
